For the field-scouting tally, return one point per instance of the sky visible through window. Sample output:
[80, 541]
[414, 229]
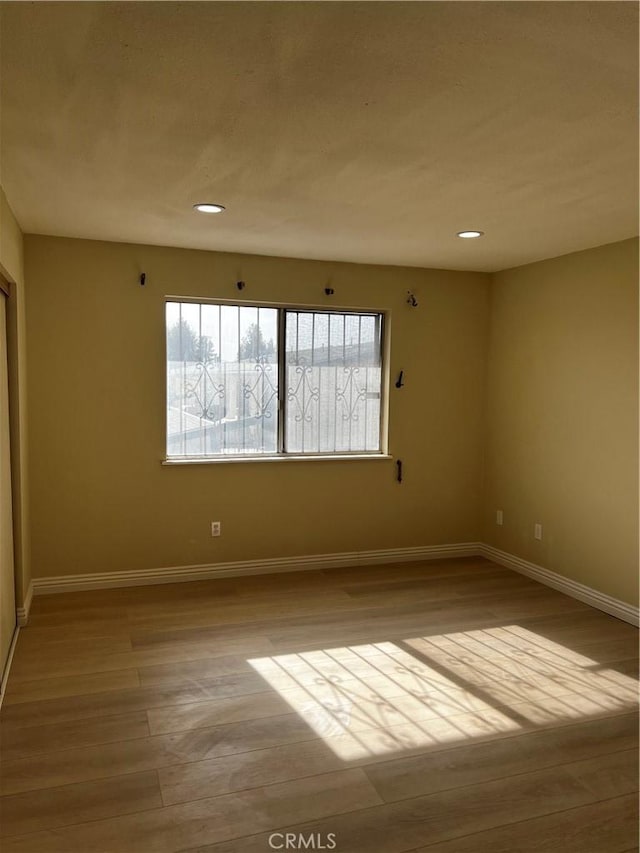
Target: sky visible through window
[225, 326]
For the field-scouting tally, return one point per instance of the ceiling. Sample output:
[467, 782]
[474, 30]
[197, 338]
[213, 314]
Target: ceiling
[367, 132]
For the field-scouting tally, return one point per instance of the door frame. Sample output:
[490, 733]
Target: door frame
[7, 291]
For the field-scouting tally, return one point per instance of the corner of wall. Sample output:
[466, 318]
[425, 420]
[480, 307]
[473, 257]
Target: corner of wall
[12, 266]
[561, 416]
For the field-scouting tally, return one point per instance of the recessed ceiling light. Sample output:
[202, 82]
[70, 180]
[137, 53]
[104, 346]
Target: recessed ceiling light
[208, 208]
[469, 235]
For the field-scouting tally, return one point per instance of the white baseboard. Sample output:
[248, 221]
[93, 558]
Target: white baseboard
[177, 574]
[22, 613]
[613, 606]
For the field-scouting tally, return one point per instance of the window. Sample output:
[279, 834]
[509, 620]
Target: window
[247, 380]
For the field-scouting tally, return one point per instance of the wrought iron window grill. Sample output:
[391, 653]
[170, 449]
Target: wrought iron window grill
[246, 380]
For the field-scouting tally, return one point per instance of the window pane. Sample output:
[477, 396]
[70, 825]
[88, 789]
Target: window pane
[222, 379]
[333, 382]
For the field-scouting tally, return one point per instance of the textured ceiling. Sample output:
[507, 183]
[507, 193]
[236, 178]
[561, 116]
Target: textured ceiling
[367, 132]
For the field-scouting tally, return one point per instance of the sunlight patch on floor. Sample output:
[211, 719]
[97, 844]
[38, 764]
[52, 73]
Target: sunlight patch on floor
[386, 697]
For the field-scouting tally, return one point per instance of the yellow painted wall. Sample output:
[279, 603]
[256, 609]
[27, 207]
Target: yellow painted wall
[562, 416]
[12, 267]
[101, 500]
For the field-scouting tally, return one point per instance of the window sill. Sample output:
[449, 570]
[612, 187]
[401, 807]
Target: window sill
[334, 457]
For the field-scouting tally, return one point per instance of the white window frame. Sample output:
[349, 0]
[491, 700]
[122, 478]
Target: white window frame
[281, 454]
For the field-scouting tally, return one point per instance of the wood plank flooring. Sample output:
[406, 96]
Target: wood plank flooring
[440, 707]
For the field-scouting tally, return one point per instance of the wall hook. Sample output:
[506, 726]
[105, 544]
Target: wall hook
[329, 291]
[143, 278]
[411, 300]
[240, 285]
[400, 381]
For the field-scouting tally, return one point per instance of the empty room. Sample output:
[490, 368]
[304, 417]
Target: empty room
[319, 427]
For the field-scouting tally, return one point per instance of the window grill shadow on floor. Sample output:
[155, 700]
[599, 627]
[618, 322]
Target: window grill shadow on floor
[381, 698]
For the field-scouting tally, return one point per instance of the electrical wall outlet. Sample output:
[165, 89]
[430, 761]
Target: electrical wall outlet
[216, 528]
[537, 531]
[499, 517]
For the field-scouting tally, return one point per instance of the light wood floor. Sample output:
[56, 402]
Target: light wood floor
[449, 707]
